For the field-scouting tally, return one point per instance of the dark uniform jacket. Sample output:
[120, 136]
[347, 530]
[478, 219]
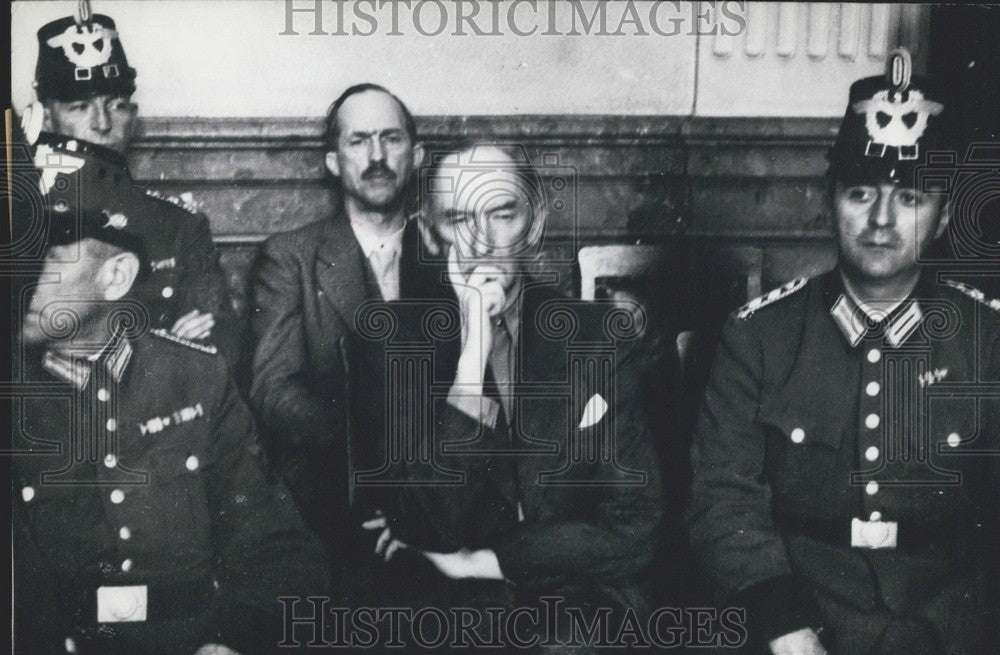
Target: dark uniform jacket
[184, 272]
[814, 418]
[308, 286]
[576, 460]
[140, 470]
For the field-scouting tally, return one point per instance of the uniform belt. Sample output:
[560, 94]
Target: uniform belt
[164, 601]
[909, 535]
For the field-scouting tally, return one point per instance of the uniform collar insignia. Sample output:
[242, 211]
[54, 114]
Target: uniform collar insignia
[115, 356]
[847, 315]
[851, 320]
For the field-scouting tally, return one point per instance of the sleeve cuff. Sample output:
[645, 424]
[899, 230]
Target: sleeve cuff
[778, 606]
[478, 408]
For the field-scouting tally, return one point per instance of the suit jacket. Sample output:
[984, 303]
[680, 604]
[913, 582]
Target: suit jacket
[586, 481]
[811, 420]
[308, 286]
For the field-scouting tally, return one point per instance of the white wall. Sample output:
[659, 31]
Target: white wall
[229, 58]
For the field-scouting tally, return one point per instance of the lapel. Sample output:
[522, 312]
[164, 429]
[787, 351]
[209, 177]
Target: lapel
[541, 361]
[341, 271]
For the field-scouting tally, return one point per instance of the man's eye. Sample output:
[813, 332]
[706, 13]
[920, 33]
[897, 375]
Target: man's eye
[910, 197]
[860, 194]
[120, 105]
[79, 106]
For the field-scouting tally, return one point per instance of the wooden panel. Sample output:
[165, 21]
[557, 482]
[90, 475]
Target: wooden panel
[744, 198]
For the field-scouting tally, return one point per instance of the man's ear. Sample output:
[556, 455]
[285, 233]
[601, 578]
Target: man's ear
[332, 164]
[47, 118]
[118, 274]
[418, 155]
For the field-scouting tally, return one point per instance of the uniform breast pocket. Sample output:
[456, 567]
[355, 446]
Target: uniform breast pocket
[175, 501]
[803, 425]
[804, 458]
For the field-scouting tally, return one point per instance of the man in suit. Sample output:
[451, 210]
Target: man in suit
[308, 287]
[845, 466]
[541, 469]
[144, 520]
[84, 85]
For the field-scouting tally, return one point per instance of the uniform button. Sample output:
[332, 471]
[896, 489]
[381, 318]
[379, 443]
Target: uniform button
[28, 493]
[873, 388]
[876, 516]
[124, 533]
[872, 421]
[798, 435]
[874, 355]
[871, 454]
[191, 463]
[954, 440]
[103, 395]
[117, 496]
[70, 645]
[127, 565]
[110, 460]
[111, 425]
[167, 292]
[871, 488]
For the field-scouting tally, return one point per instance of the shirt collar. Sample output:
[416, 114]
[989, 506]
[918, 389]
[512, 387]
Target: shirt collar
[901, 319]
[115, 356]
[370, 241]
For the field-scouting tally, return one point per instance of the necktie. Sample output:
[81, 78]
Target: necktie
[501, 364]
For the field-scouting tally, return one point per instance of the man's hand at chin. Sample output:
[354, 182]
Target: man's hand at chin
[800, 642]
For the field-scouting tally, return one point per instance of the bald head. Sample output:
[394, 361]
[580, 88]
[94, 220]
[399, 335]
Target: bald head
[486, 202]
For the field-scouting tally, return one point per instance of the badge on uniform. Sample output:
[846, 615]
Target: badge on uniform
[156, 424]
[122, 604]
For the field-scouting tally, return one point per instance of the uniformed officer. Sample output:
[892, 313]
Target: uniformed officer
[143, 518]
[85, 84]
[845, 456]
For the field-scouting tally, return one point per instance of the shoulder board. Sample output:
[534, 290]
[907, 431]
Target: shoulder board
[774, 295]
[187, 205]
[974, 293]
[194, 345]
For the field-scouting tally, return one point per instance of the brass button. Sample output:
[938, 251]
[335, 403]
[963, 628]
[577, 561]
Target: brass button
[127, 565]
[871, 488]
[874, 355]
[110, 460]
[871, 454]
[28, 493]
[872, 421]
[873, 388]
[117, 496]
[103, 395]
[191, 463]
[954, 440]
[167, 292]
[111, 425]
[798, 435]
[124, 533]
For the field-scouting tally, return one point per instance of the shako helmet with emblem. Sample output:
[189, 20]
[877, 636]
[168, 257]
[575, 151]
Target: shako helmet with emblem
[891, 124]
[87, 193]
[80, 57]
